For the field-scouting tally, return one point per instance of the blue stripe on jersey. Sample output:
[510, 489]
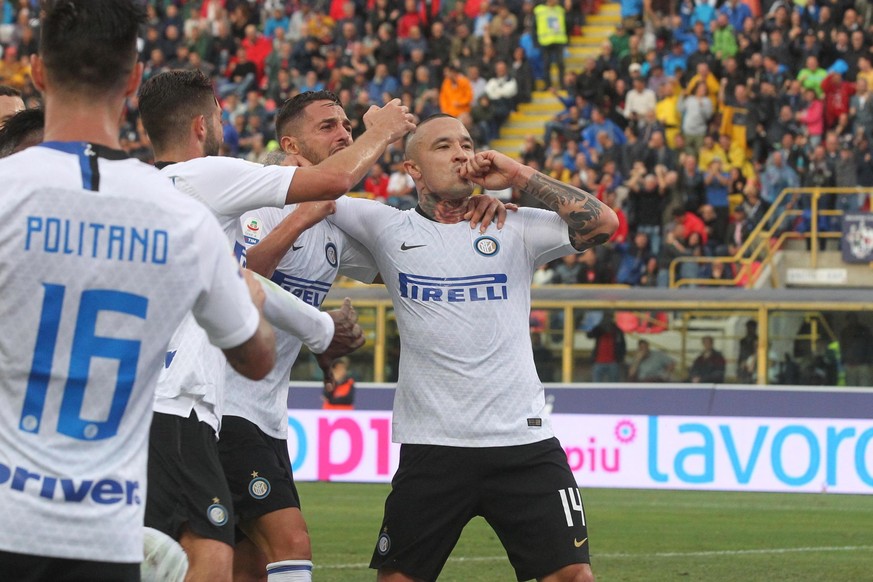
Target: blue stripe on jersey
[85, 153]
[287, 281]
[87, 159]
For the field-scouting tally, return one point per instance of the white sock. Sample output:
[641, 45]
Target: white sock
[164, 560]
[290, 571]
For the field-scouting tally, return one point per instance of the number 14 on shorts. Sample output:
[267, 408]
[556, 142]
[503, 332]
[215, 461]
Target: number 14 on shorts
[572, 501]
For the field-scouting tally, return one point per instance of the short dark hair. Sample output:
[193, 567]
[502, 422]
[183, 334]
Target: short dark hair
[7, 91]
[292, 108]
[24, 126]
[170, 100]
[90, 45]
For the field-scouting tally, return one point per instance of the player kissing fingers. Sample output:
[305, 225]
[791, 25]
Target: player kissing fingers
[477, 166]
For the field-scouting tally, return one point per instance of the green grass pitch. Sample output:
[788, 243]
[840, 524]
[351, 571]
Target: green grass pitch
[636, 535]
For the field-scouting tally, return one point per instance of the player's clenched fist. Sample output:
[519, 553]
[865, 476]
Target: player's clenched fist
[347, 337]
[393, 118]
[491, 170]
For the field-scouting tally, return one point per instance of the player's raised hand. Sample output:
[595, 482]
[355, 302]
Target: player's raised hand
[491, 170]
[347, 337]
[481, 210]
[393, 118]
[295, 160]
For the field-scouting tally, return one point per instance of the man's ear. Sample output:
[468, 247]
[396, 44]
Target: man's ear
[289, 145]
[199, 125]
[412, 169]
[134, 80]
[37, 72]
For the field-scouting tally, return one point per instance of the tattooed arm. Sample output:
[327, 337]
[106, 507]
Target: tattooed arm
[590, 221]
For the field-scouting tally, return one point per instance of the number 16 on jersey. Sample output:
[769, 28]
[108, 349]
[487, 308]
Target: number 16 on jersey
[85, 346]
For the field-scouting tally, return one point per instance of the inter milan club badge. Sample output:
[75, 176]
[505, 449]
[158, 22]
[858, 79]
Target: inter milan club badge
[330, 254]
[259, 488]
[216, 513]
[384, 544]
[487, 246]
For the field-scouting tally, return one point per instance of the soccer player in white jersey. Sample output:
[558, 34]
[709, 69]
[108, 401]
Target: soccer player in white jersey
[188, 495]
[303, 254]
[469, 408]
[100, 262]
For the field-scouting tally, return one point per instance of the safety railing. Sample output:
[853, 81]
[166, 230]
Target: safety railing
[672, 319]
[795, 214]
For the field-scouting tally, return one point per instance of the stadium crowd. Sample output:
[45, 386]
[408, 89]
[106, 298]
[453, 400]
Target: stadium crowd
[689, 122]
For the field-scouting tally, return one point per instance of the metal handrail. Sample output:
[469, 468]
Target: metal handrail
[763, 242]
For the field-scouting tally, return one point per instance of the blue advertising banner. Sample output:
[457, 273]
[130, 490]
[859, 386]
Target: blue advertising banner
[857, 241]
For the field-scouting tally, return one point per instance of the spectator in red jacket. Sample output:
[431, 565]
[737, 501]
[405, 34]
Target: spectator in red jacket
[692, 223]
[837, 94]
[376, 184]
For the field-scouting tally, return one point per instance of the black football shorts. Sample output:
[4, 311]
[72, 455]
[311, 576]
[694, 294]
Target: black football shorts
[186, 483]
[257, 468]
[527, 494]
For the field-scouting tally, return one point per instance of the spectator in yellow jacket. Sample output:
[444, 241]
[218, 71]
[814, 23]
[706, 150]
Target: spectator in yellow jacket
[667, 111]
[704, 75]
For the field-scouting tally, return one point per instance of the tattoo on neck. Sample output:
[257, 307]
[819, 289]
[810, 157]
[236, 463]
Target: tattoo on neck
[580, 210]
[448, 211]
[427, 203]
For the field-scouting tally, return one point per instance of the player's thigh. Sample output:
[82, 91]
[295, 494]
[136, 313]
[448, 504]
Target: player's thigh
[186, 482]
[249, 562]
[535, 508]
[28, 568]
[433, 496]
[209, 560]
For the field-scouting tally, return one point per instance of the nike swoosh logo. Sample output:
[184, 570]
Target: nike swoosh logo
[405, 247]
[293, 248]
[579, 544]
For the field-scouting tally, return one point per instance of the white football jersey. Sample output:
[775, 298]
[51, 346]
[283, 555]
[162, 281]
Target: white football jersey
[308, 270]
[101, 258]
[462, 301]
[194, 371]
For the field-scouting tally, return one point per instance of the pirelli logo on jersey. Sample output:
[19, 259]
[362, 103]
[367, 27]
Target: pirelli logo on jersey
[490, 287]
[309, 291]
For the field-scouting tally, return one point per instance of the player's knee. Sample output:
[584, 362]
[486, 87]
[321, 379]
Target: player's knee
[293, 545]
[584, 575]
[581, 574]
[208, 560]
[573, 573]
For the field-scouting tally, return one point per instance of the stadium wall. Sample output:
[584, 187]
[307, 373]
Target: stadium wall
[715, 437]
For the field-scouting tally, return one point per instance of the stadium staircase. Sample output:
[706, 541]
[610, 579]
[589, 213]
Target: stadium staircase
[530, 118]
